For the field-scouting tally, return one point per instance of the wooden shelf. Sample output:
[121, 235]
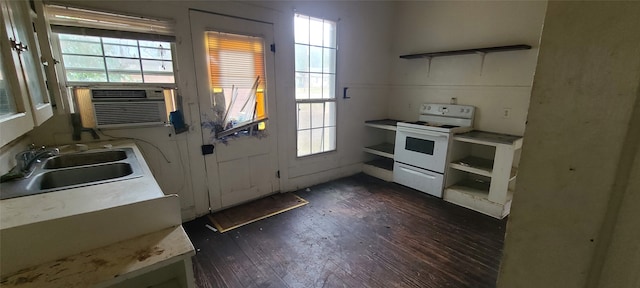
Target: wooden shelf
[467, 51]
[387, 124]
[490, 139]
[474, 165]
[384, 150]
[473, 188]
[380, 168]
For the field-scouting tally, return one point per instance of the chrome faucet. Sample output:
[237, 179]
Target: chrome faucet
[26, 159]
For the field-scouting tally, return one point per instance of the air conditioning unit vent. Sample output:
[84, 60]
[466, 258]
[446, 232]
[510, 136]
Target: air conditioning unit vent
[101, 94]
[128, 107]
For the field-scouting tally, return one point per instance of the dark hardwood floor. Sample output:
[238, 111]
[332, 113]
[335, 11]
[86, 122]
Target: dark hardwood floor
[355, 232]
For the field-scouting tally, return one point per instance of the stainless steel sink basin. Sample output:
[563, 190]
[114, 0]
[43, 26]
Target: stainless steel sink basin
[71, 177]
[85, 158]
[76, 170]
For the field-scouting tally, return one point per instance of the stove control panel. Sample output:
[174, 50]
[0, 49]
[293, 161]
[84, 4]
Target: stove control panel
[449, 110]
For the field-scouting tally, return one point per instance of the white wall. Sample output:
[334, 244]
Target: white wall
[575, 215]
[502, 81]
[363, 65]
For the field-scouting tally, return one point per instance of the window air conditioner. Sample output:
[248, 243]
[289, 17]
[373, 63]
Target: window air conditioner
[128, 107]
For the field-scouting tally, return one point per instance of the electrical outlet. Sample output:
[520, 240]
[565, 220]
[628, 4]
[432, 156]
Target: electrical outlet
[506, 113]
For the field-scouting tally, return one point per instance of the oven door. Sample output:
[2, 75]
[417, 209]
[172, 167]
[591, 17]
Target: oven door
[420, 179]
[421, 148]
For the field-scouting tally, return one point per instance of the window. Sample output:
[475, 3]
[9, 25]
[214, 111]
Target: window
[237, 81]
[103, 50]
[115, 60]
[315, 80]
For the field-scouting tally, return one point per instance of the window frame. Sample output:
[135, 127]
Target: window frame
[317, 100]
[57, 52]
[258, 124]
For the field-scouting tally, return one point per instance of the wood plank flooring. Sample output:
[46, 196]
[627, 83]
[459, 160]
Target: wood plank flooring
[355, 232]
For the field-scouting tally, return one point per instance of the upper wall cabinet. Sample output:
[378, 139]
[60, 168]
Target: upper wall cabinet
[24, 99]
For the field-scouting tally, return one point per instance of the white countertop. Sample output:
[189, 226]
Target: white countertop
[110, 264]
[42, 207]
[44, 227]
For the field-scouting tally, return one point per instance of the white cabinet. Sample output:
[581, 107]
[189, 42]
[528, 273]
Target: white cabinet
[381, 164]
[482, 171]
[24, 99]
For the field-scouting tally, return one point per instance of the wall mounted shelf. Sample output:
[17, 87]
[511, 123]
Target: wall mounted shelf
[467, 51]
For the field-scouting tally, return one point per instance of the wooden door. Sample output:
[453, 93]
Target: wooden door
[242, 167]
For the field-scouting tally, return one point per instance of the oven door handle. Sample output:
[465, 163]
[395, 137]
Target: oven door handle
[411, 171]
[421, 132]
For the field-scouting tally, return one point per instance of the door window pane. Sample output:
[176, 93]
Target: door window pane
[237, 81]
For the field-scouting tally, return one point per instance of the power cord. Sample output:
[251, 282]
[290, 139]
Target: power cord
[136, 139]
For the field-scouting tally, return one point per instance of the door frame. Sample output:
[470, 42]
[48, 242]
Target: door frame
[198, 23]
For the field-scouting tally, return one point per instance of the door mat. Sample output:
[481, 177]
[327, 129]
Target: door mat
[244, 214]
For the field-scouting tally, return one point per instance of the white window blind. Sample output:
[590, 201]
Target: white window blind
[72, 20]
[237, 79]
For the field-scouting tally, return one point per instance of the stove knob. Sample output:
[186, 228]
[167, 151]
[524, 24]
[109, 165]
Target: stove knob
[428, 107]
[461, 110]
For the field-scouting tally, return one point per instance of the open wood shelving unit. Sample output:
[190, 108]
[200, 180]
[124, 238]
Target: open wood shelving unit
[482, 184]
[382, 166]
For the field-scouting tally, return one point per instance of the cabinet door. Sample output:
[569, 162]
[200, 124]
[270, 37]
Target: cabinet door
[15, 111]
[33, 73]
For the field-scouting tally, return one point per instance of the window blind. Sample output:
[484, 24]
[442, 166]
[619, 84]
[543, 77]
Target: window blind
[95, 23]
[235, 60]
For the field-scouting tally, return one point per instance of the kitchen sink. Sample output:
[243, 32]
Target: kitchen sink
[75, 170]
[85, 158]
[76, 176]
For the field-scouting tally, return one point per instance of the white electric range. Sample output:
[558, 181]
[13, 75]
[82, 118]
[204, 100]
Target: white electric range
[421, 147]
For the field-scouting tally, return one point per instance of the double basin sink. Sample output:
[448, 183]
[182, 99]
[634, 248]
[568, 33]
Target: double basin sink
[75, 170]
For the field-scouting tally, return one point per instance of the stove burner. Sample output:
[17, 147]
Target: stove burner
[433, 124]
